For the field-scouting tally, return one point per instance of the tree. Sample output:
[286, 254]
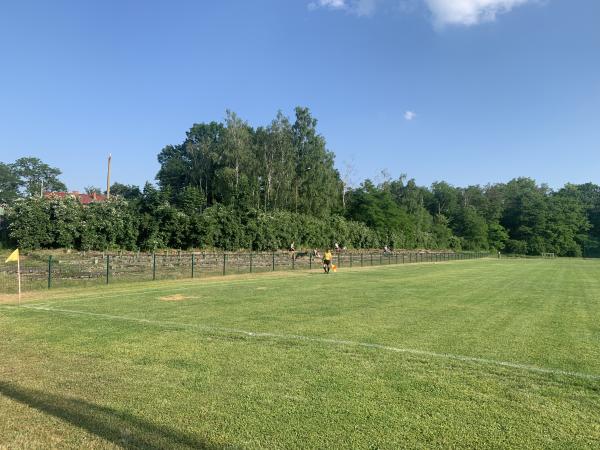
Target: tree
[317, 184]
[92, 190]
[9, 184]
[35, 176]
[125, 191]
[497, 236]
[445, 198]
[30, 225]
[525, 215]
[589, 196]
[275, 163]
[567, 223]
[375, 207]
[472, 228]
[237, 158]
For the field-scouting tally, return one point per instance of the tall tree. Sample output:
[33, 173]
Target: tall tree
[9, 184]
[317, 183]
[275, 157]
[237, 162]
[35, 176]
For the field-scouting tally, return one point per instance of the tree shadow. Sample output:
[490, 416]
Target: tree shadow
[120, 428]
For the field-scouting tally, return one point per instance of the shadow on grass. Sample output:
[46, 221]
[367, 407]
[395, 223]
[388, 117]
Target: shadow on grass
[118, 427]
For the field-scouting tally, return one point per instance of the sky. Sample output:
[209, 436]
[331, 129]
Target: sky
[467, 91]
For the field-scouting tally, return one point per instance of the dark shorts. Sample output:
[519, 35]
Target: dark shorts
[327, 262]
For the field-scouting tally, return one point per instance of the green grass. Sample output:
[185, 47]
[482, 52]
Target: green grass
[467, 354]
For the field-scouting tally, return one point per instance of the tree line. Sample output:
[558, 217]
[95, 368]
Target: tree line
[229, 185]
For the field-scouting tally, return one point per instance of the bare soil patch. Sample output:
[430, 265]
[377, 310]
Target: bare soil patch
[175, 298]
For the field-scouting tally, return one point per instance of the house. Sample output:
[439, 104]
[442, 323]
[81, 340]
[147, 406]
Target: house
[84, 199]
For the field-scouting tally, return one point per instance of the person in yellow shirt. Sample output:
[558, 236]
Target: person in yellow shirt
[327, 259]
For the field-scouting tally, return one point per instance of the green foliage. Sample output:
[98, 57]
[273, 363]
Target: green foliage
[497, 236]
[35, 176]
[9, 184]
[472, 228]
[283, 166]
[126, 191]
[30, 224]
[229, 185]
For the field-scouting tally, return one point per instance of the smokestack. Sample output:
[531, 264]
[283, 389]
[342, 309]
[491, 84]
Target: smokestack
[108, 178]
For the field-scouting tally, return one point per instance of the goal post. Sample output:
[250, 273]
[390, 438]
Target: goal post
[548, 255]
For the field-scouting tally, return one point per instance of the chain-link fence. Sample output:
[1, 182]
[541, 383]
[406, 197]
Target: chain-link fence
[39, 271]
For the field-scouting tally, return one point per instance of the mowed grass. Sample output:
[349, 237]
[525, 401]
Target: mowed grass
[488, 353]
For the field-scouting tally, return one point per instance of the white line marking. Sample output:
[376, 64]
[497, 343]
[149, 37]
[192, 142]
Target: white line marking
[410, 351]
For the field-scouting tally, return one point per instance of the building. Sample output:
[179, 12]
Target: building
[84, 199]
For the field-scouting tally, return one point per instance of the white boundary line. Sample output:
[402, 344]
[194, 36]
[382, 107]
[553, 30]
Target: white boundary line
[296, 337]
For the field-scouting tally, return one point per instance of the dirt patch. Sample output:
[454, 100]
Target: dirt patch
[14, 298]
[175, 298]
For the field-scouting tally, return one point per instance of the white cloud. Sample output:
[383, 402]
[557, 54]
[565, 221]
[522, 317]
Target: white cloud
[444, 12]
[333, 4]
[358, 7]
[469, 12]
[410, 115]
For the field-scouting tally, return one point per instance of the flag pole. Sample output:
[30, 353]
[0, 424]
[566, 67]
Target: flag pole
[19, 276]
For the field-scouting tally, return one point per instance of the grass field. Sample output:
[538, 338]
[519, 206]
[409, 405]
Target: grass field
[487, 353]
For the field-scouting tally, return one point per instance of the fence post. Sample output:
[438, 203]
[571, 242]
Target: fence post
[107, 267]
[193, 261]
[380, 259]
[224, 263]
[310, 261]
[371, 258]
[49, 271]
[273, 261]
[351, 258]
[361, 259]
[153, 266]
[250, 262]
[293, 261]
[338, 260]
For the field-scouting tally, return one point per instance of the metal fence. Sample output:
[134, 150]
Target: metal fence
[56, 271]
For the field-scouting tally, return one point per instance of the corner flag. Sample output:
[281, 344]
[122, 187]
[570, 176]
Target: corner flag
[14, 256]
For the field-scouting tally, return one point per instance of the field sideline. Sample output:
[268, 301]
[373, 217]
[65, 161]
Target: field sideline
[483, 353]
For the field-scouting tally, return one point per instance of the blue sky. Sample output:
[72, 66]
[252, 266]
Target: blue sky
[494, 89]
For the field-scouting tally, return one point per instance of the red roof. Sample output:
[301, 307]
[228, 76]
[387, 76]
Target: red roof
[85, 199]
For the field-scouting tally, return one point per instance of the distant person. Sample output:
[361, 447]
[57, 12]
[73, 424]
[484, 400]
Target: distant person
[316, 253]
[386, 249]
[337, 247]
[292, 247]
[327, 258]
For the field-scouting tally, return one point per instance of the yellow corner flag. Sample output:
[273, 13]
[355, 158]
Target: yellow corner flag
[14, 256]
